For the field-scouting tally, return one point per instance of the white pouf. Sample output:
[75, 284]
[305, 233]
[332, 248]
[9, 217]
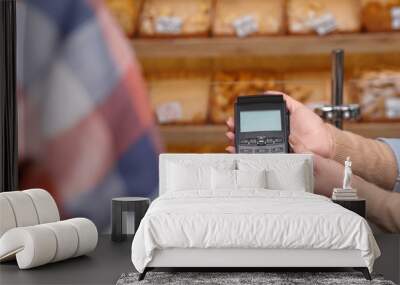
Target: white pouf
[31, 231]
[37, 245]
[7, 218]
[67, 240]
[33, 246]
[45, 205]
[23, 208]
[87, 233]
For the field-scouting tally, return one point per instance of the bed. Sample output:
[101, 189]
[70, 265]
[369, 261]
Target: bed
[246, 211]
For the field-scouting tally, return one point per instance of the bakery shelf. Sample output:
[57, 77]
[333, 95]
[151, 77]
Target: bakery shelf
[193, 134]
[259, 46]
[215, 134]
[375, 130]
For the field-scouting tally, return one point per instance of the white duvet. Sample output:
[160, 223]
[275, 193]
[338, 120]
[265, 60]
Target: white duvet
[250, 219]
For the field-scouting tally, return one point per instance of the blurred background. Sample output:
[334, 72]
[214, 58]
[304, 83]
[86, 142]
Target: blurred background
[198, 56]
[105, 86]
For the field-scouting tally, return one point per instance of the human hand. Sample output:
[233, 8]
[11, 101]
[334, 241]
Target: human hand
[328, 174]
[306, 128]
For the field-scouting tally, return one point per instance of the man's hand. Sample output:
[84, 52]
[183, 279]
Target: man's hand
[328, 174]
[306, 128]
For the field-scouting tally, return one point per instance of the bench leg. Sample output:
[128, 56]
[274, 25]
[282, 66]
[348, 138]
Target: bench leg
[364, 271]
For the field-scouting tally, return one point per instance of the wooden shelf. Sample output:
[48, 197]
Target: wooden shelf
[375, 130]
[193, 134]
[215, 134]
[276, 53]
[259, 46]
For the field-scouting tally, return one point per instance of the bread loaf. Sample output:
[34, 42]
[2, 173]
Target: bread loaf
[180, 97]
[229, 85]
[248, 17]
[378, 93]
[323, 16]
[308, 87]
[126, 13]
[175, 18]
[380, 15]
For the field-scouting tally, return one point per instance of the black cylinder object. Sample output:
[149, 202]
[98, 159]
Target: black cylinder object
[127, 212]
[337, 81]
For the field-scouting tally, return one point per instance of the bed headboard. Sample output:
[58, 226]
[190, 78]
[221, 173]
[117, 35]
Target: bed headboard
[171, 157]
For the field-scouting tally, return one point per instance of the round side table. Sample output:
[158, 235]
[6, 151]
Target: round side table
[127, 212]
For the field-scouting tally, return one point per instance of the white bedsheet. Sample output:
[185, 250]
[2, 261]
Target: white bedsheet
[250, 219]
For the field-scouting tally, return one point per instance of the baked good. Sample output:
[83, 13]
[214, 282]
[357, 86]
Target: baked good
[175, 18]
[380, 15]
[323, 16]
[229, 85]
[308, 87]
[248, 17]
[126, 13]
[180, 97]
[378, 93]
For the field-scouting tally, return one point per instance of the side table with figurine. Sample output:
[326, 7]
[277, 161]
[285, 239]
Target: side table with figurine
[347, 196]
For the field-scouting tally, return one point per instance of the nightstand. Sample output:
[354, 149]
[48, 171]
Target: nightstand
[356, 206]
[127, 212]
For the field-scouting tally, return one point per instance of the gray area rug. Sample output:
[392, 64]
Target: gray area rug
[269, 278]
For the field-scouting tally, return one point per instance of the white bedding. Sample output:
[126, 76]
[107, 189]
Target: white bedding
[250, 219]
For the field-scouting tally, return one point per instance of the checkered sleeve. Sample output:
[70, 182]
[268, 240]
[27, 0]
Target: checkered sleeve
[87, 122]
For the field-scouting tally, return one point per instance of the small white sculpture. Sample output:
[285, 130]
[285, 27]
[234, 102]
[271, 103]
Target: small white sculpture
[346, 192]
[347, 174]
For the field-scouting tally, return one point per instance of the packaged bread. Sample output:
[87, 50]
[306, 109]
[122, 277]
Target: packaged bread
[323, 16]
[378, 93]
[227, 86]
[248, 17]
[175, 18]
[380, 15]
[126, 13]
[308, 87]
[180, 97]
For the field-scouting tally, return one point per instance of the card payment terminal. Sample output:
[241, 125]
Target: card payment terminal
[261, 124]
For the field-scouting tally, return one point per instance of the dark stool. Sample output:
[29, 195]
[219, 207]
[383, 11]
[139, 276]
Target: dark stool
[126, 213]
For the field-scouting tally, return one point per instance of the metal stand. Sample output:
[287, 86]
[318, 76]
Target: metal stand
[337, 111]
[337, 83]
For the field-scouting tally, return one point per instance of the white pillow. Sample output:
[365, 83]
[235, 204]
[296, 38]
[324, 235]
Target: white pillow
[186, 174]
[181, 178]
[251, 178]
[223, 179]
[227, 179]
[282, 174]
[294, 181]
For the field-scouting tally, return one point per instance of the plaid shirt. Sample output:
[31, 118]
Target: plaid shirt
[85, 124]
